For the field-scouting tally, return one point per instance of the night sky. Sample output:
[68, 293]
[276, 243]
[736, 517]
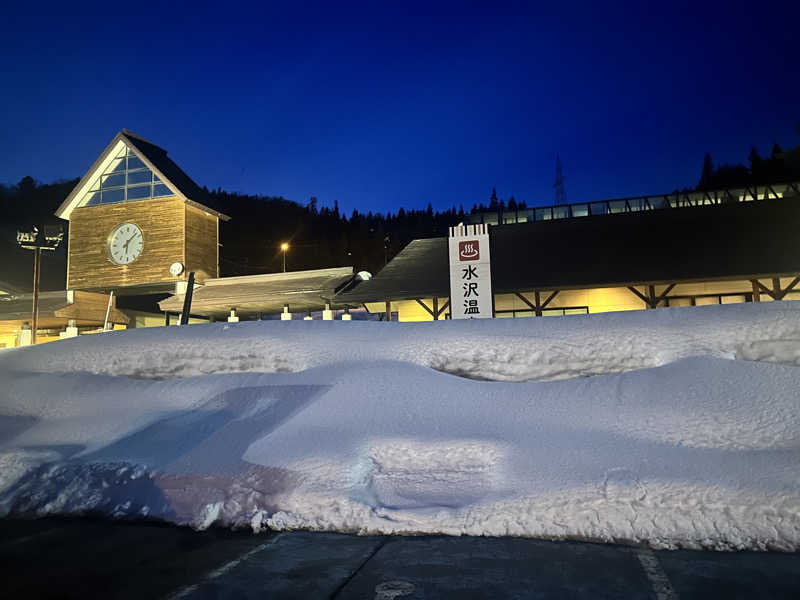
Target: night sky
[382, 108]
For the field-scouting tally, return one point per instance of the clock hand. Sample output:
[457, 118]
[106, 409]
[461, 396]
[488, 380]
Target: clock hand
[129, 241]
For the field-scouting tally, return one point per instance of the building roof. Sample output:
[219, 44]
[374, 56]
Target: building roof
[156, 159]
[679, 199]
[253, 294]
[56, 309]
[740, 240]
[420, 270]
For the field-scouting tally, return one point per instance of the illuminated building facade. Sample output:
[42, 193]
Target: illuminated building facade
[686, 249]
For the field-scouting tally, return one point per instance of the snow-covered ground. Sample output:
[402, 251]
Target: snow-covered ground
[686, 435]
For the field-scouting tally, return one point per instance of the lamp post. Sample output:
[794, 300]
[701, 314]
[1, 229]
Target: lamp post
[284, 248]
[48, 238]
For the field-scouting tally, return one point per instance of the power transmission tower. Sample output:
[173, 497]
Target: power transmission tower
[561, 193]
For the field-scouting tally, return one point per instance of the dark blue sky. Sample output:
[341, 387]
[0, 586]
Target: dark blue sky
[381, 108]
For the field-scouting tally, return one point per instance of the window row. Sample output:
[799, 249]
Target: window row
[139, 192]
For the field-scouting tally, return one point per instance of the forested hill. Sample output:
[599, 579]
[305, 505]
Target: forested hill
[319, 236]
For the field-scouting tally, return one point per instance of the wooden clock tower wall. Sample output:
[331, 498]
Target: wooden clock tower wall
[201, 244]
[162, 223]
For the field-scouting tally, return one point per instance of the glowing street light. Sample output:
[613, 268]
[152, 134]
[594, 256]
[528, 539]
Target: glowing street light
[284, 248]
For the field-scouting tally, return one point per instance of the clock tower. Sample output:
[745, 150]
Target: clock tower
[138, 223]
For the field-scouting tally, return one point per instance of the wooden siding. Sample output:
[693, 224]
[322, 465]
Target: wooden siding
[162, 223]
[201, 244]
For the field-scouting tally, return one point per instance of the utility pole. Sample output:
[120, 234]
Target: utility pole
[48, 238]
[37, 255]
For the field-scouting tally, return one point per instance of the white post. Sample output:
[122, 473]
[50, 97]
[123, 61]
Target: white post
[233, 318]
[286, 315]
[308, 317]
[346, 316]
[108, 310]
[71, 331]
[25, 338]
[327, 314]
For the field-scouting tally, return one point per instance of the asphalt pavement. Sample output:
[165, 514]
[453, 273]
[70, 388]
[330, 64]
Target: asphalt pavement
[85, 558]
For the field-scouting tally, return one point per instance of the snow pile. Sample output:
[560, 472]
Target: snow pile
[690, 438]
[496, 349]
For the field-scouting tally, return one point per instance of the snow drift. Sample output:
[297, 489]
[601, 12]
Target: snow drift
[688, 435]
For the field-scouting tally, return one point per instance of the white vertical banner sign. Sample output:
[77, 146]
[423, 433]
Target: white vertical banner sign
[470, 272]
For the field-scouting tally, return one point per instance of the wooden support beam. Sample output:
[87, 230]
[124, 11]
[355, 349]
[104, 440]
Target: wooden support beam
[435, 308]
[443, 308]
[762, 287]
[790, 287]
[388, 310]
[652, 300]
[756, 291]
[550, 299]
[525, 300]
[663, 295]
[425, 306]
[641, 296]
[538, 308]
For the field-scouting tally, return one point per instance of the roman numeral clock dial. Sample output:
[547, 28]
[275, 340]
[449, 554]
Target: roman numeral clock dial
[125, 244]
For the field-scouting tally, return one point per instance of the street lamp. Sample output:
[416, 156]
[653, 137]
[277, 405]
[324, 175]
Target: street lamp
[284, 248]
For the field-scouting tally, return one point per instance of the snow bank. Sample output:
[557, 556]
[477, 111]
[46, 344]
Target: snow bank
[497, 349]
[679, 444]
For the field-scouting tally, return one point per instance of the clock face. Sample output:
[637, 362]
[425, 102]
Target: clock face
[176, 268]
[125, 244]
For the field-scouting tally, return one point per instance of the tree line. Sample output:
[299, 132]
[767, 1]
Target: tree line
[323, 236]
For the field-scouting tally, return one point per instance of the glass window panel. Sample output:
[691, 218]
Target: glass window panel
[504, 315]
[94, 198]
[117, 166]
[140, 177]
[576, 311]
[161, 190]
[490, 218]
[135, 163]
[617, 206]
[544, 214]
[519, 314]
[156, 179]
[560, 212]
[95, 186]
[113, 196]
[580, 210]
[112, 181]
[598, 208]
[138, 192]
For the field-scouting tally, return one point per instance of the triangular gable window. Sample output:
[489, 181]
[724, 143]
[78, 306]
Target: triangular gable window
[127, 178]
